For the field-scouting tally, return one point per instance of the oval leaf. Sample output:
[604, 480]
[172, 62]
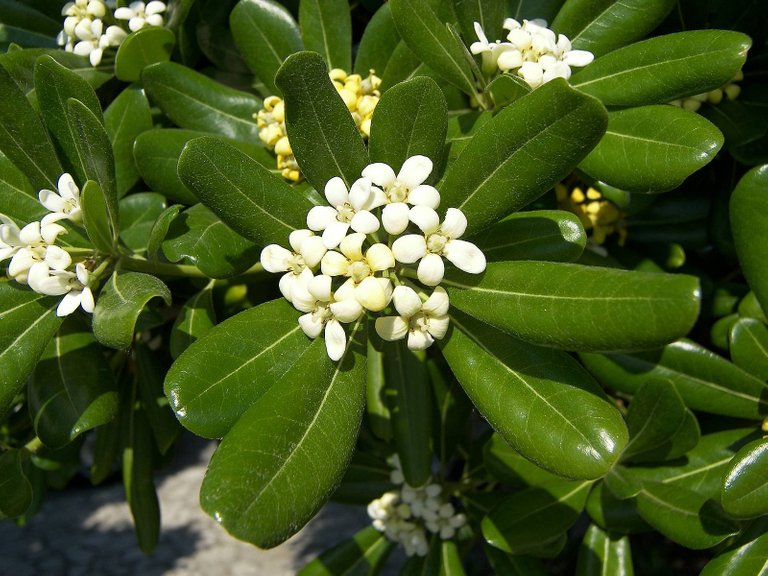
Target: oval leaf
[364, 553]
[326, 28]
[96, 216]
[138, 213]
[380, 38]
[15, 489]
[195, 319]
[745, 490]
[746, 556]
[147, 46]
[749, 346]
[603, 553]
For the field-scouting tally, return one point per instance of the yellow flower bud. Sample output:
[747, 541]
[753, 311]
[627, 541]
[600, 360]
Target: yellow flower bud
[338, 74]
[278, 112]
[366, 105]
[732, 92]
[350, 98]
[270, 102]
[283, 147]
[365, 127]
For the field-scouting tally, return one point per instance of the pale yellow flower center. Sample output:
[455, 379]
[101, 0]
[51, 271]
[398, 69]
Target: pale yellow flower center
[436, 243]
[359, 271]
[398, 192]
[345, 212]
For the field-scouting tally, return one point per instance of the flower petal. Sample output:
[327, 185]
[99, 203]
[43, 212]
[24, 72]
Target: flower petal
[379, 257]
[391, 327]
[352, 246]
[578, 58]
[334, 234]
[454, 224]
[364, 222]
[465, 256]
[49, 231]
[296, 237]
[419, 340]
[510, 59]
[51, 200]
[371, 295]
[320, 217]
[424, 195]
[336, 192]
[86, 301]
[310, 325]
[380, 174]
[438, 326]
[345, 292]
[414, 171]
[69, 303]
[335, 340]
[425, 218]
[320, 287]
[394, 217]
[431, 270]
[67, 187]
[360, 193]
[302, 299]
[57, 258]
[334, 264]
[274, 258]
[386, 285]
[437, 304]
[347, 310]
[286, 285]
[407, 302]
[409, 248]
[312, 250]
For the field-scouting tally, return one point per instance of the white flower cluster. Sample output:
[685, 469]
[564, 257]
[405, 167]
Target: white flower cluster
[86, 34]
[366, 278]
[532, 51]
[35, 259]
[406, 515]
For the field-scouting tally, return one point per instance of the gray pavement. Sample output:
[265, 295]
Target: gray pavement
[88, 532]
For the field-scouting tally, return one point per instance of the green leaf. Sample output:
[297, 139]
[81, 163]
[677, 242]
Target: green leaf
[72, 389]
[119, 304]
[323, 134]
[745, 491]
[149, 379]
[138, 213]
[195, 319]
[326, 28]
[265, 480]
[18, 199]
[26, 26]
[95, 151]
[540, 401]
[364, 553]
[660, 426]
[613, 514]
[106, 449]
[522, 152]
[15, 489]
[23, 139]
[749, 223]
[366, 479]
[506, 89]
[745, 557]
[605, 25]
[450, 559]
[54, 85]
[749, 346]
[266, 34]
[409, 399]
[684, 516]
[578, 307]
[377, 412]
[652, 148]
[96, 216]
[705, 381]
[664, 68]
[380, 38]
[199, 236]
[426, 35]
[127, 117]
[246, 196]
[452, 412]
[488, 13]
[150, 45]
[524, 521]
[604, 553]
[554, 235]
[402, 65]
[160, 229]
[513, 565]
[20, 64]
[223, 373]
[194, 101]
[29, 322]
[422, 102]
[507, 465]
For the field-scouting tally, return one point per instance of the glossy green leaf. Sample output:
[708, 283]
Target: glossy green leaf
[379, 40]
[745, 557]
[25, 25]
[366, 479]
[684, 516]
[402, 65]
[119, 304]
[72, 389]
[450, 559]
[660, 426]
[229, 368]
[622, 483]
[422, 102]
[522, 152]
[507, 465]
[452, 412]
[652, 148]
[17, 198]
[160, 229]
[661, 69]
[489, 14]
[195, 319]
[749, 346]
[106, 449]
[409, 398]
[506, 89]
[326, 28]
[613, 514]
[602, 553]
[266, 34]
[138, 214]
[534, 235]
[578, 307]
[364, 553]
[265, 481]
[199, 236]
[745, 491]
[194, 101]
[749, 307]
[95, 151]
[149, 379]
[96, 216]
[127, 117]
[323, 134]
[704, 380]
[29, 323]
[541, 401]
[604, 25]
[20, 64]
[749, 223]
[150, 45]
[377, 411]
[525, 520]
[23, 139]
[720, 332]
[15, 489]
[426, 35]
[513, 565]
[54, 85]
[246, 196]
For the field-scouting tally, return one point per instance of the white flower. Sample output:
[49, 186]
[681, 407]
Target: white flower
[63, 204]
[407, 187]
[31, 244]
[372, 293]
[422, 323]
[348, 209]
[139, 15]
[490, 50]
[308, 250]
[93, 42]
[325, 310]
[438, 240]
[84, 8]
[74, 286]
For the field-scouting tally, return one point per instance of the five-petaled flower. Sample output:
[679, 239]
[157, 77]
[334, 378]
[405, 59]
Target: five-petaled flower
[348, 209]
[308, 250]
[422, 323]
[62, 204]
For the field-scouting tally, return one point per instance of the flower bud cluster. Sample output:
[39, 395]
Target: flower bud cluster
[729, 91]
[408, 514]
[600, 217]
[86, 34]
[361, 95]
[357, 270]
[532, 51]
[36, 260]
